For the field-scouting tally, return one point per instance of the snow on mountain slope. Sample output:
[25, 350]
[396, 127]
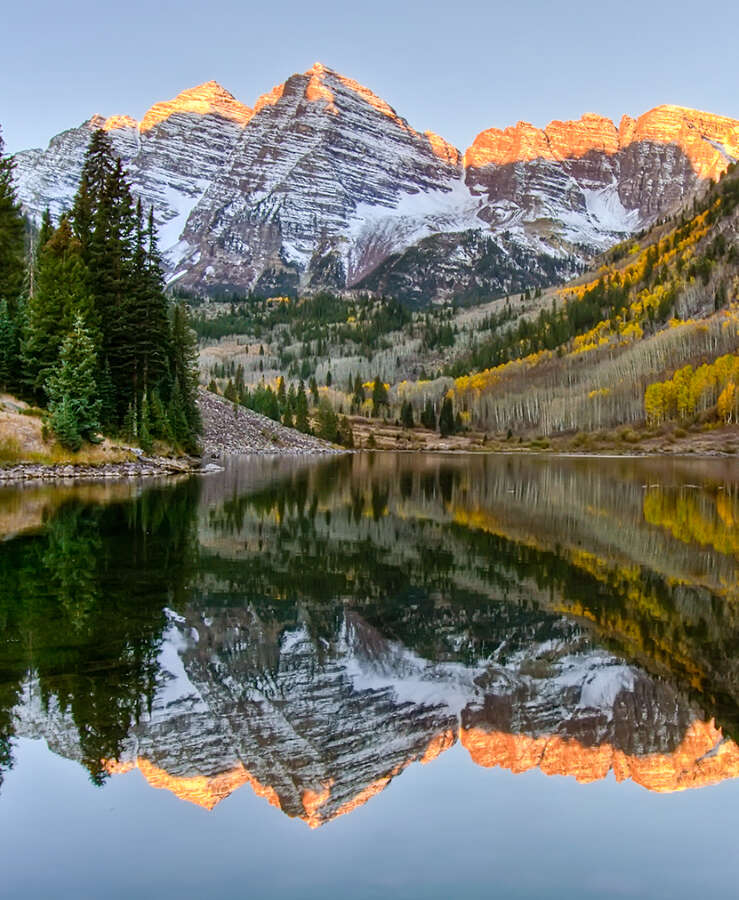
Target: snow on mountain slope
[172, 155]
[321, 183]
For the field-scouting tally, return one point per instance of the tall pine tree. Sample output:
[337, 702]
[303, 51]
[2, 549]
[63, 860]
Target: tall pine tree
[60, 294]
[73, 396]
[12, 235]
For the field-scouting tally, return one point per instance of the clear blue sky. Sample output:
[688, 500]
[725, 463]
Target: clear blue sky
[453, 68]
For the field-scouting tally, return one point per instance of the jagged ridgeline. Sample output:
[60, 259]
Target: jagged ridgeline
[320, 184]
[87, 326]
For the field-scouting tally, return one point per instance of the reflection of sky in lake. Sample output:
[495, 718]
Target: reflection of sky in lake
[449, 829]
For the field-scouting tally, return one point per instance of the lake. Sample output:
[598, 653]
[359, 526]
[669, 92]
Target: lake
[377, 675]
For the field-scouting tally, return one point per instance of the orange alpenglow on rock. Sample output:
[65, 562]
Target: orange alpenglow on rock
[114, 122]
[270, 98]
[370, 97]
[443, 149]
[318, 90]
[203, 790]
[704, 757]
[314, 801]
[438, 745]
[205, 99]
[696, 133]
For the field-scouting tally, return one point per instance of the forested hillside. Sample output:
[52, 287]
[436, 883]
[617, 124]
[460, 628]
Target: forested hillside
[655, 305]
[86, 329]
[597, 353]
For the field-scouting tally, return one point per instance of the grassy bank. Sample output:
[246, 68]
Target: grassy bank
[23, 440]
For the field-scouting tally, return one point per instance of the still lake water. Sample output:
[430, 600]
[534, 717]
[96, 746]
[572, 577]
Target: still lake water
[373, 676]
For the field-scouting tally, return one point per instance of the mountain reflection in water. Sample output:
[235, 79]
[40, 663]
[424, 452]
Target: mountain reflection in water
[311, 628]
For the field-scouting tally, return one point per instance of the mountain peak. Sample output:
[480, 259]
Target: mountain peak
[209, 98]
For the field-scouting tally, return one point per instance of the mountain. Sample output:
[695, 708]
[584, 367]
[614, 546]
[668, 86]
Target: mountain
[319, 732]
[321, 184]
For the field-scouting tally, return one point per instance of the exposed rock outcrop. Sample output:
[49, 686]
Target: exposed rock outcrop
[321, 182]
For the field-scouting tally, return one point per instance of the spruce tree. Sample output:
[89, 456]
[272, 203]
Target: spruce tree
[301, 410]
[71, 388]
[7, 346]
[447, 424]
[153, 322]
[406, 415]
[346, 435]
[326, 421]
[379, 395]
[184, 368]
[281, 393]
[60, 296]
[87, 215]
[12, 235]
[428, 416]
[116, 286]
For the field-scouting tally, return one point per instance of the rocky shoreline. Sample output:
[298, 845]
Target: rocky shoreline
[141, 468]
[227, 431]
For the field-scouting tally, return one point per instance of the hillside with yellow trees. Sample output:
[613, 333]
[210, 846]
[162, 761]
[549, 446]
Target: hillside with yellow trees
[652, 337]
[648, 340]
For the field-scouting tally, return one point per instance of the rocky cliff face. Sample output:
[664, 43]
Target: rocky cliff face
[323, 185]
[172, 155]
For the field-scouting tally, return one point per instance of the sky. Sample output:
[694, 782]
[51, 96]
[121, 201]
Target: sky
[451, 68]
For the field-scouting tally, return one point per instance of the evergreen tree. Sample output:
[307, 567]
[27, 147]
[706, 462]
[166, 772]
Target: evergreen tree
[88, 214]
[60, 295]
[358, 397]
[301, 410]
[447, 423]
[326, 421]
[45, 232]
[7, 346]
[379, 396]
[281, 392]
[239, 383]
[73, 401]
[145, 441]
[346, 435]
[184, 368]
[406, 415]
[12, 235]
[428, 416]
[106, 392]
[153, 344]
[271, 407]
[116, 287]
[230, 391]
